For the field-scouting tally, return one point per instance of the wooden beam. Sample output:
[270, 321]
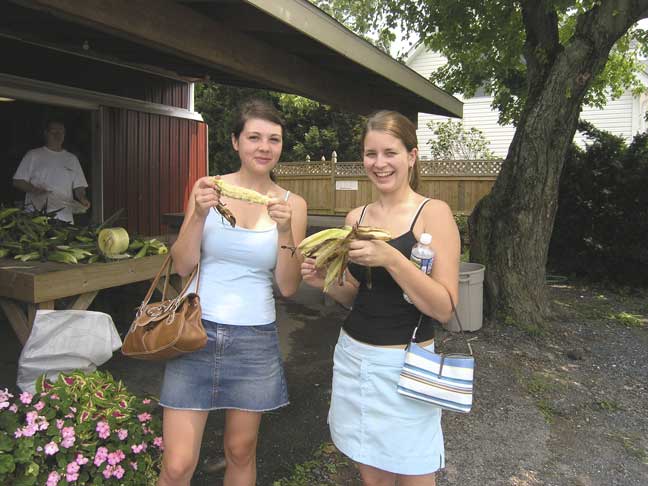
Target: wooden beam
[176, 29]
[83, 301]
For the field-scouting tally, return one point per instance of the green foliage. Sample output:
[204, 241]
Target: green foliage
[312, 128]
[484, 44]
[365, 18]
[454, 142]
[315, 129]
[81, 429]
[464, 233]
[321, 470]
[601, 226]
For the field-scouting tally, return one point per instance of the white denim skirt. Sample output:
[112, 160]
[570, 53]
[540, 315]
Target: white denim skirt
[371, 422]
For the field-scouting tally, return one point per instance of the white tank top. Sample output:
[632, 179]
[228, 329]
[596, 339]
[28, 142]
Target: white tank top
[236, 273]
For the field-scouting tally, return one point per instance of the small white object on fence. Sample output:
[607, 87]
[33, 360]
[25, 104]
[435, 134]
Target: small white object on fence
[308, 158]
[334, 157]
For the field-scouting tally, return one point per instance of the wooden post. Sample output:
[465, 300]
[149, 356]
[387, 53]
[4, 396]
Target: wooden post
[333, 162]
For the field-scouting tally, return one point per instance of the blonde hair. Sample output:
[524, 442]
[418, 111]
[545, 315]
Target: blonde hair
[400, 127]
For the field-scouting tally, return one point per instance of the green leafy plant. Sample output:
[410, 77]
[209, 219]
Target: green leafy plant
[453, 141]
[80, 430]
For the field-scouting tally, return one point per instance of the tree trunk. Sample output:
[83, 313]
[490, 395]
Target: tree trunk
[510, 229]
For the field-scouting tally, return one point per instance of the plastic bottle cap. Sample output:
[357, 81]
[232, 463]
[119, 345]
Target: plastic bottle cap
[426, 238]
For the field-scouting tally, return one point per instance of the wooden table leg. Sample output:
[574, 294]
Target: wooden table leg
[48, 305]
[83, 301]
[17, 318]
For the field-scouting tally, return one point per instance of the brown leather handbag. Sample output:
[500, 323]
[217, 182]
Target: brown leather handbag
[166, 329]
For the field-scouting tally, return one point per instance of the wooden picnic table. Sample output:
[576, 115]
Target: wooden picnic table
[26, 287]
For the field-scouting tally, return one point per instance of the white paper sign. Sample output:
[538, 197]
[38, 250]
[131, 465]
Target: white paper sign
[346, 185]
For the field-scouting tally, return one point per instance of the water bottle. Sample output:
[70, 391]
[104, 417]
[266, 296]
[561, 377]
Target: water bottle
[422, 256]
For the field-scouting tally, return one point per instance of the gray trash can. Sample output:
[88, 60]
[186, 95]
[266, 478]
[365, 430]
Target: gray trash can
[471, 298]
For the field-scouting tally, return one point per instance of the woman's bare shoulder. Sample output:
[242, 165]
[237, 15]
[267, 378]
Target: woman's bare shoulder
[353, 216]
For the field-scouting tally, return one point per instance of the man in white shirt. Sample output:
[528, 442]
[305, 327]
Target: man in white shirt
[52, 175]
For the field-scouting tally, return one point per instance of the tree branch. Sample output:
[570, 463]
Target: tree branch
[542, 43]
[603, 25]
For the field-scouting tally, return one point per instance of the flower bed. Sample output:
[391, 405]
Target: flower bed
[80, 430]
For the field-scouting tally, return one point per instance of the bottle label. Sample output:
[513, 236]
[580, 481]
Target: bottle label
[424, 264]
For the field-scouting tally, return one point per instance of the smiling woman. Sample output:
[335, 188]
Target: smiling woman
[365, 406]
[240, 369]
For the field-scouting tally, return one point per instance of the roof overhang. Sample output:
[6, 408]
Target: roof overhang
[284, 45]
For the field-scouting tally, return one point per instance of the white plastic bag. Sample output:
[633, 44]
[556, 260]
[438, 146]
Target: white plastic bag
[66, 340]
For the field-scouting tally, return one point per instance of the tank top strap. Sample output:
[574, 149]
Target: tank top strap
[362, 213]
[418, 211]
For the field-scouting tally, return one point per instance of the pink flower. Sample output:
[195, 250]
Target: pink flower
[4, 398]
[13, 408]
[29, 430]
[39, 405]
[146, 401]
[80, 460]
[60, 423]
[116, 457]
[51, 448]
[100, 456]
[43, 424]
[67, 442]
[26, 398]
[103, 429]
[31, 417]
[159, 443]
[144, 417]
[67, 432]
[72, 472]
[108, 471]
[53, 478]
[54, 396]
[138, 447]
[118, 472]
[18, 433]
[122, 434]
[133, 465]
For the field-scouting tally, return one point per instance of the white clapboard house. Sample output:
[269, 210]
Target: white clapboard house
[624, 116]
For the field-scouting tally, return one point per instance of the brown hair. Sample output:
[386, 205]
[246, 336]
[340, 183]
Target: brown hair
[256, 108]
[399, 126]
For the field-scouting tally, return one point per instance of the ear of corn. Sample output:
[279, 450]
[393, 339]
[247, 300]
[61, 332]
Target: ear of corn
[242, 193]
[330, 248]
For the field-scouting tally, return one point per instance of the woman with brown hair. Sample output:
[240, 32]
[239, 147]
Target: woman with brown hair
[393, 438]
[240, 369]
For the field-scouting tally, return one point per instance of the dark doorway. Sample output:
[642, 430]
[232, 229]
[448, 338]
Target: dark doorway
[22, 126]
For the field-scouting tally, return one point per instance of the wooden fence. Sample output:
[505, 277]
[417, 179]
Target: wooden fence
[332, 187]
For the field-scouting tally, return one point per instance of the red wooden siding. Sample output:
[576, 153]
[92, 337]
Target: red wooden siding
[150, 163]
[168, 92]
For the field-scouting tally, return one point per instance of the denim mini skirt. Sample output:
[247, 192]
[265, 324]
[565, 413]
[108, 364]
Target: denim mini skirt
[239, 368]
[371, 422]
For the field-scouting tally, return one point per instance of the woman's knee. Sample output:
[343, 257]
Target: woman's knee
[240, 451]
[178, 468]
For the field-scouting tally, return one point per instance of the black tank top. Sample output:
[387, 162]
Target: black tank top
[381, 315]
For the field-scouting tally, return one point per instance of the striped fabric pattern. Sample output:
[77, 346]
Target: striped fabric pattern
[443, 380]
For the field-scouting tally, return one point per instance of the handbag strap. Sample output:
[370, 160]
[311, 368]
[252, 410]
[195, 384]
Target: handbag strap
[456, 314]
[166, 268]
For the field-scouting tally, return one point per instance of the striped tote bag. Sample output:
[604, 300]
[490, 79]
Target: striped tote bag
[444, 380]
